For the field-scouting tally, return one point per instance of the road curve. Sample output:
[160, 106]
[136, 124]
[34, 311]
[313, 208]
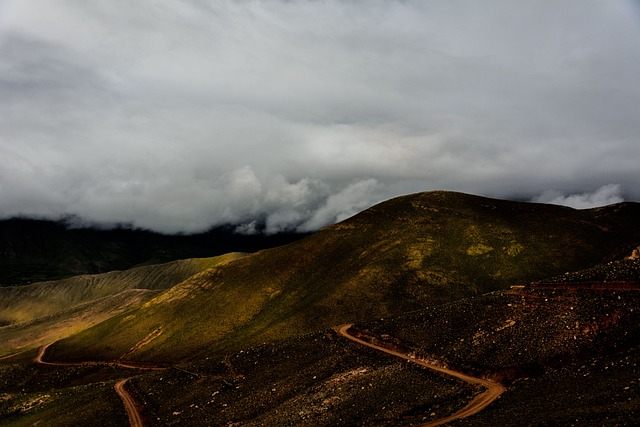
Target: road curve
[135, 417]
[40, 355]
[134, 414]
[480, 402]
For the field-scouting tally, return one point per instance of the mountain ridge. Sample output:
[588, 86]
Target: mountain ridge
[401, 255]
[35, 250]
[246, 342]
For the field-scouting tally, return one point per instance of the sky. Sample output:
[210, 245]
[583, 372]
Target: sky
[273, 115]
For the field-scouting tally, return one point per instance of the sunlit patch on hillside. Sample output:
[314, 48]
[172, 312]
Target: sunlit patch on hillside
[417, 252]
[514, 248]
[479, 249]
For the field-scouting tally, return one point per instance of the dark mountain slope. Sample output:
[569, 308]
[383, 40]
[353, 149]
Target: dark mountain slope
[405, 254]
[38, 250]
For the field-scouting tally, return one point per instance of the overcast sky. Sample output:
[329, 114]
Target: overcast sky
[179, 115]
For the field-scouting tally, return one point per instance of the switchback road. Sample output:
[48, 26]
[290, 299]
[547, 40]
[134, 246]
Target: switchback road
[135, 417]
[480, 402]
[130, 405]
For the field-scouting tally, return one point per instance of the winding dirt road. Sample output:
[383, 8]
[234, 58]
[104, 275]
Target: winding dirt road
[130, 405]
[135, 417]
[480, 402]
[40, 355]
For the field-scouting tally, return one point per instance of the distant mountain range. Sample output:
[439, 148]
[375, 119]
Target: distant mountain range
[542, 299]
[36, 250]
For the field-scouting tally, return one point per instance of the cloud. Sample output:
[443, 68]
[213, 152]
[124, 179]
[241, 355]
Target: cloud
[343, 204]
[181, 115]
[605, 195]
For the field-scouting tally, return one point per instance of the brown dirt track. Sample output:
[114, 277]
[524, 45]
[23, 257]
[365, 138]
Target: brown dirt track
[480, 402]
[130, 404]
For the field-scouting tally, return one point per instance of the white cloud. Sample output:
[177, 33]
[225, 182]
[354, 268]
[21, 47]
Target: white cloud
[605, 195]
[181, 115]
[340, 206]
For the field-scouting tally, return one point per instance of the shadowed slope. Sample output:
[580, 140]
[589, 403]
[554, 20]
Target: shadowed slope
[38, 250]
[402, 255]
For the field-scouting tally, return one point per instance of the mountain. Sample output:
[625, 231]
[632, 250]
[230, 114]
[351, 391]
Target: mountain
[541, 300]
[403, 255]
[38, 250]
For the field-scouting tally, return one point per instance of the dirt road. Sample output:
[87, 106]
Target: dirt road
[135, 417]
[120, 363]
[480, 402]
[133, 412]
[40, 355]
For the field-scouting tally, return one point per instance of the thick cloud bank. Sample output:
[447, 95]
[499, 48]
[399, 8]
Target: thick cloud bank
[605, 195]
[281, 115]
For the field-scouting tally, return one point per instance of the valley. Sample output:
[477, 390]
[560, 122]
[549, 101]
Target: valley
[456, 309]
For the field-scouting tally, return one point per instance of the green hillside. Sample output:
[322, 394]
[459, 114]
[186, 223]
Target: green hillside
[44, 312]
[523, 336]
[406, 254]
[29, 302]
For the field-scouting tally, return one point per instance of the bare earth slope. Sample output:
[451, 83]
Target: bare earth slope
[479, 403]
[402, 255]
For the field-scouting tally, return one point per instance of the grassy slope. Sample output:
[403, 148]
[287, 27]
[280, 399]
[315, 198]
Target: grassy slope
[404, 254]
[44, 312]
[19, 304]
[67, 322]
